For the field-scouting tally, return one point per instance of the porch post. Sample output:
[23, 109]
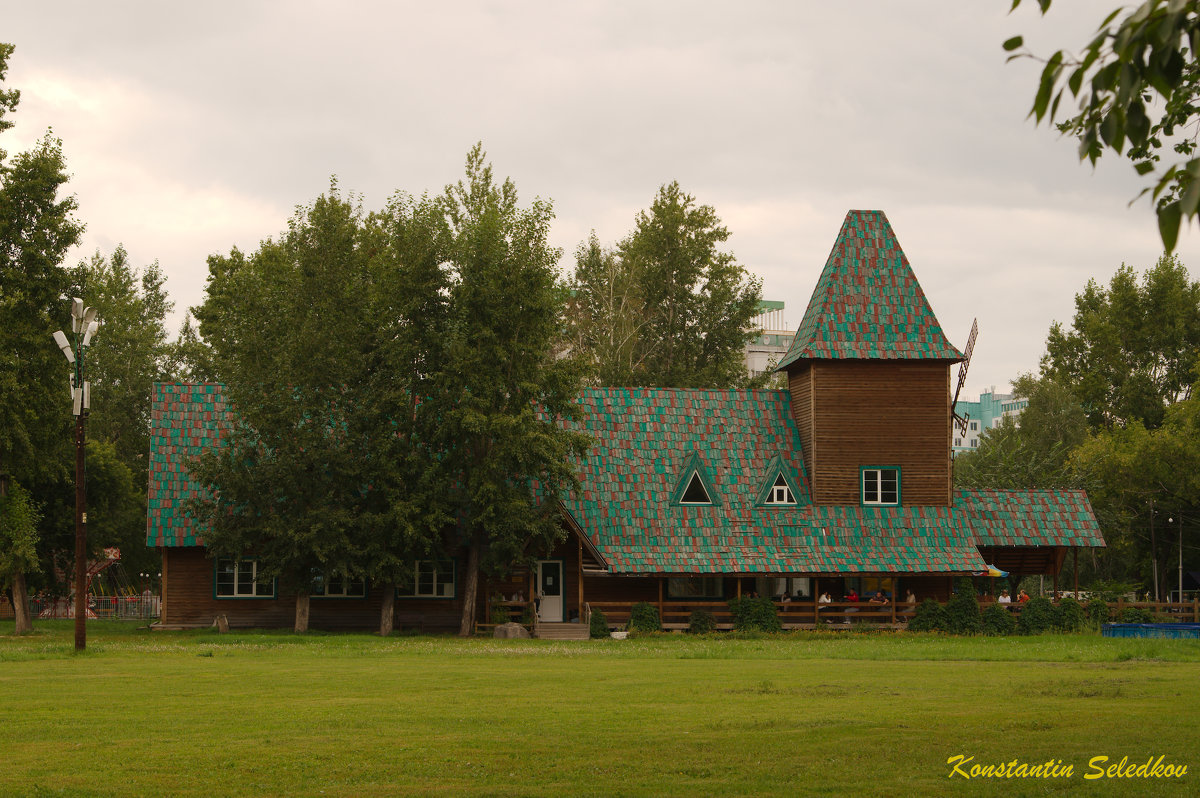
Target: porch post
[816, 595]
[581, 581]
[1075, 556]
[660, 600]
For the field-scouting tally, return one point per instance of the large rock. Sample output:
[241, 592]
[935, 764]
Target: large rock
[510, 630]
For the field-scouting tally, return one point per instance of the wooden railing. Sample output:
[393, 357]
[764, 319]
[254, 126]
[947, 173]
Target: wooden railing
[676, 615]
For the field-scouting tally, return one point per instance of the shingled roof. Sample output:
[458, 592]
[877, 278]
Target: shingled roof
[868, 304]
[648, 441]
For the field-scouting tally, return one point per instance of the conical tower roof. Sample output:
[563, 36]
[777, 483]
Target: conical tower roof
[868, 304]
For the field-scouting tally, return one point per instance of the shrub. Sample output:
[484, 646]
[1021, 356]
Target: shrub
[929, 617]
[701, 622]
[754, 614]
[1097, 612]
[599, 625]
[1137, 615]
[1069, 615]
[644, 618]
[1037, 616]
[997, 620]
[962, 611]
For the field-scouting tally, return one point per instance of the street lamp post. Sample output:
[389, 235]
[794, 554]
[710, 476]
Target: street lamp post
[83, 327]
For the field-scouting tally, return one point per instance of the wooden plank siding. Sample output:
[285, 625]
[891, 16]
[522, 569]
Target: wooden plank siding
[856, 413]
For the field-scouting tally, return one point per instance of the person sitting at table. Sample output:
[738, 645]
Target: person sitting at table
[1004, 598]
[879, 598]
[822, 603]
[851, 596]
[910, 597]
[785, 598]
[1022, 597]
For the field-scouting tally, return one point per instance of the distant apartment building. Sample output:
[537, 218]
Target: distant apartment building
[988, 412]
[766, 349]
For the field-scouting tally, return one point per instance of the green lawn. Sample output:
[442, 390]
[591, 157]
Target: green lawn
[822, 713]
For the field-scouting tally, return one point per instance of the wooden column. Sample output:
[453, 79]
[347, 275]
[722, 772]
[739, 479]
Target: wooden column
[660, 598]
[581, 618]
[816, 598]
[1075, 557]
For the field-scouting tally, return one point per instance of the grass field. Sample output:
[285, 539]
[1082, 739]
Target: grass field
[821, 713]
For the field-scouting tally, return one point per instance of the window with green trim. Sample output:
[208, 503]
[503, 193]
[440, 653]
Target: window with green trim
[431, 579]
[881, 486]
[242, 579]
[335, 585]
[780, 493]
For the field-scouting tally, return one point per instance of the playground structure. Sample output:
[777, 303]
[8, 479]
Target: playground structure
[111, 594]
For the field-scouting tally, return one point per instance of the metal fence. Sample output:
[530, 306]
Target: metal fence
[141, 607]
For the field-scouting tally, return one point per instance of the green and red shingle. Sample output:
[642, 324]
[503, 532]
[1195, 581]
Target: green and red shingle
[868, 304]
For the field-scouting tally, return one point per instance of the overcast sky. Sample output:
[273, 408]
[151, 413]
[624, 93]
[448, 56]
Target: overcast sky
[193, 128]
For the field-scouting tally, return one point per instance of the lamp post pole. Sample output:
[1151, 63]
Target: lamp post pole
[84, 326]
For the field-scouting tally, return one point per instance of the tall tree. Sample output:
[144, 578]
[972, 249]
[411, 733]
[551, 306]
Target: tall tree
[506, 456]
[669, 307]
[19, 518]
[1132, 347]
[1034, 453]
[1137, 82]
[289, 330]
[37, 227]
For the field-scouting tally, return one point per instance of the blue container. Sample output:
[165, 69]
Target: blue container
[1174, 630]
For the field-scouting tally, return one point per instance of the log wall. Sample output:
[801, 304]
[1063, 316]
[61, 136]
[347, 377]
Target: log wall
[874, 413]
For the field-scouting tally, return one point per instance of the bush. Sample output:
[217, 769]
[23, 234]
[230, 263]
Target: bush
[1069, 615]
[1137, 615]
[929, 617]
[962, 611]
[1037, 616]
[997, 620]
[754, 614]
[500, 615]
[599, 625]
[644, 618]
[701, 622]
[1097, 612]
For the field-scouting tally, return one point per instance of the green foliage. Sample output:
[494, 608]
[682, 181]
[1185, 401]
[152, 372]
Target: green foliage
[702, 622]
[1136, 83]
[752, 614]
[500, 614]
[1069, 615]
[1132, 347]
[929, 617]
[599, 624]
[37, 228]
[1097, 612]
[667, 307]
[998, 620]
[962, 611]
[643, 617]
[1037, 615]
[1136, 615]
[1034, 454]
[19, 517]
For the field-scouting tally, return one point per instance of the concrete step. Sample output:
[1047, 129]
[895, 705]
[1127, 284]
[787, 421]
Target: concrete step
[562, 631]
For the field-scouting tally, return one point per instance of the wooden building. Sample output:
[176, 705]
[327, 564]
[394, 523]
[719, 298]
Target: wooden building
[691, 497]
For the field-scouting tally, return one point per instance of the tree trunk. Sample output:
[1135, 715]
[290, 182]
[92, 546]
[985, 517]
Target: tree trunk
[301, 612]
[387, 612]
[20, 602]
[467, 627]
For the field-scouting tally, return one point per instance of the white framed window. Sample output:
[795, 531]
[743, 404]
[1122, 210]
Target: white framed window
[334, 585]
[695, 492]
[780, 492]
[241, 579]
[431, 579]
[880, 486]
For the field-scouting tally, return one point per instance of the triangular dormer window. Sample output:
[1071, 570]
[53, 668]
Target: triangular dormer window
[695, 486]
[780, 492]
[778, 488]
[695, 492]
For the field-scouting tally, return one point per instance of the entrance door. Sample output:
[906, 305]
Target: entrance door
[550, 589]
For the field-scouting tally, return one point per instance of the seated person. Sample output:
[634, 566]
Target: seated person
[1004, 598]
[879, 598]
[851, 596]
